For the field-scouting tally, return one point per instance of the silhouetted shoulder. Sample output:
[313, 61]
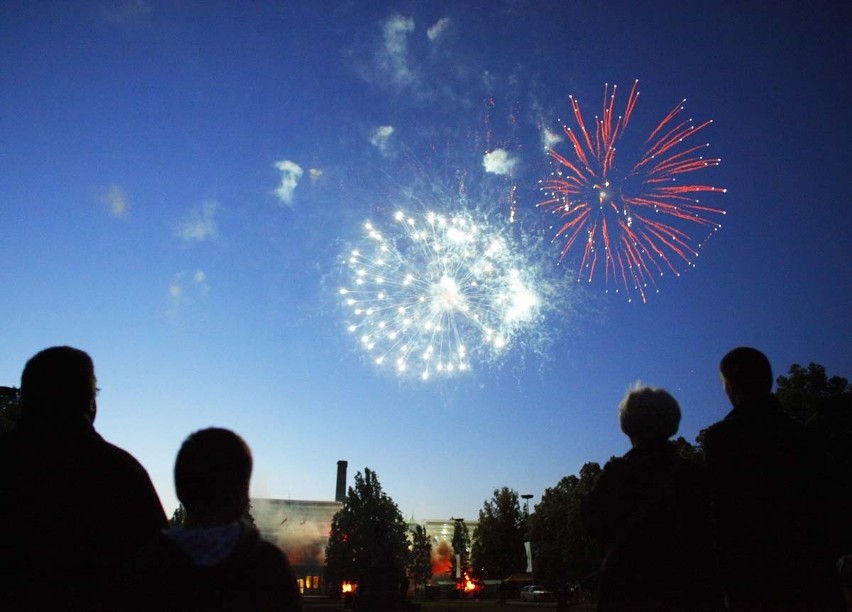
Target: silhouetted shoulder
[255, 576]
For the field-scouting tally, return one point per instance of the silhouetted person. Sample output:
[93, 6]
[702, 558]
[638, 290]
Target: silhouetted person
[73, 507]
[768, 483]
[844, 571]
[215, 561]
[650, 511]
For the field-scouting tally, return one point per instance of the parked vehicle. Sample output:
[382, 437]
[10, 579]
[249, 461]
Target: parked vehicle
[535, 592]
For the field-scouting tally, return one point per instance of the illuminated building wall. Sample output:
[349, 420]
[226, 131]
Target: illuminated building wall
[441, 534]
[300, 529]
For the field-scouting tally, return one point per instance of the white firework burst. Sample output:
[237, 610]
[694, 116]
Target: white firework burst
[438, 293]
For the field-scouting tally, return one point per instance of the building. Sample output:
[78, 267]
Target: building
[301, 529]
[440, 532]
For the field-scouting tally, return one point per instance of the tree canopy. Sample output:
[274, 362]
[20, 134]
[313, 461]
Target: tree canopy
[498, 541]
[420, 563]
[179, 516]
[810, 396]
[563, 552]
[368, 543]
[824, 405]
[10, 408]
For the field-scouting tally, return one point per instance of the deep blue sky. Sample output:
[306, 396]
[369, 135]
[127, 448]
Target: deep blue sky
[179, 180]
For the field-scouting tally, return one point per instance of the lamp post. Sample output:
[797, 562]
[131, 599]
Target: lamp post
[527, 545]
[460, 554]
[527, 497]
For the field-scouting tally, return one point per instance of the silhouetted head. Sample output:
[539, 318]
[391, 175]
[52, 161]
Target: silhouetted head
[58, 386]
[212, 475]
[746, 375]
[648, 415]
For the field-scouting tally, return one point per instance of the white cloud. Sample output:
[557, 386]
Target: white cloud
[499, 162]
[438, 28]
[314, 174]
[200, 224]
[115, 200]
[549, 138]
[291, 172]
[394, 56]
[185, 288]
[381, 137]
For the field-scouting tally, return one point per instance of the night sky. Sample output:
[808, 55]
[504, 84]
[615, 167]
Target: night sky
[182, 185]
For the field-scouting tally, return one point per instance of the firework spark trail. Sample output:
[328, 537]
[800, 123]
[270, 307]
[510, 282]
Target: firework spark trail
[438, 293]
[636, 219]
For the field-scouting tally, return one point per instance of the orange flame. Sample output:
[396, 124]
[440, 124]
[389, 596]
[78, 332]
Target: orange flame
[348, 587]
[466, 584]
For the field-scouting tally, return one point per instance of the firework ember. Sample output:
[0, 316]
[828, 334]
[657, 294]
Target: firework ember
[438, 293]
[633, 218]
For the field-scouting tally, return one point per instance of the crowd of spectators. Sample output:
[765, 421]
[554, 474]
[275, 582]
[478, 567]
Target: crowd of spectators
[82, 528]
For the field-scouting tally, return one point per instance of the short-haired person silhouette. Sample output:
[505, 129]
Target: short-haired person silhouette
[769, 498]
[650, 511]
[215, 561]
[73, 507]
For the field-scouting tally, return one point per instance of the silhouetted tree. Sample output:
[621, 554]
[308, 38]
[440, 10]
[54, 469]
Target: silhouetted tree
[689, 451]
[824, 405]
[498, 541]
[420, 563]
[10, 409]
[461, 549]
[563, 553]
[368, 544]
[178, 517]
[812, 398]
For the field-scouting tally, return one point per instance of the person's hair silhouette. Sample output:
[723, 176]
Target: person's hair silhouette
[212, 474]
[58, 387]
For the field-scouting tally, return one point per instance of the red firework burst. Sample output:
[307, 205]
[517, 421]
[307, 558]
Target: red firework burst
[636, 220]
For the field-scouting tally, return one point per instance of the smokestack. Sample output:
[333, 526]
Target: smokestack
[340, 495]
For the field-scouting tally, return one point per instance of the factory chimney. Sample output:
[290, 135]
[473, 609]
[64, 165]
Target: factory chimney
[340, 495]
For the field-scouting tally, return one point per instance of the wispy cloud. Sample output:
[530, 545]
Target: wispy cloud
[200, 224]
[291, 172]
[393, 58]
[499, 161]
[115, 200]
[315, 174]
[438, 28]
[185, 288]
[381, 138]
[549, 138]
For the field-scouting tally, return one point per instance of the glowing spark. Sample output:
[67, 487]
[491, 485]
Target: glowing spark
[633, 220]
[438, 292]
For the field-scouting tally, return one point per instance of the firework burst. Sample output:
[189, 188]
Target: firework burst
[635, 220]
[438, 293]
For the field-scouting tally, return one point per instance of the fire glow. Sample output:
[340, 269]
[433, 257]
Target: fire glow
[467, 585]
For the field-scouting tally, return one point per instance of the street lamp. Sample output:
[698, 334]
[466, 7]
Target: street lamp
[527, 546]
[527, 497]
[460, 555]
